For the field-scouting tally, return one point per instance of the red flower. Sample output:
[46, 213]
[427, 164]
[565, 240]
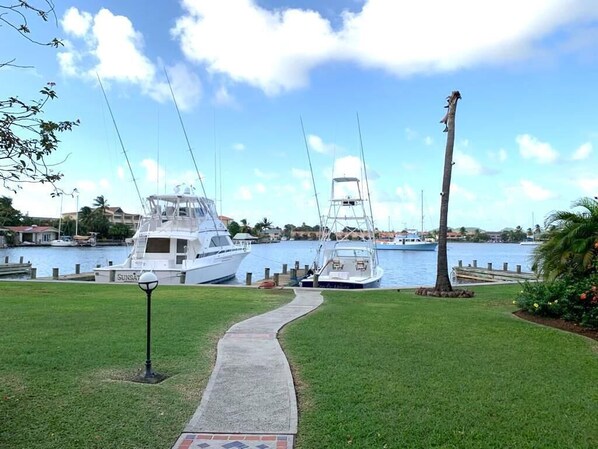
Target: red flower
[582, 296]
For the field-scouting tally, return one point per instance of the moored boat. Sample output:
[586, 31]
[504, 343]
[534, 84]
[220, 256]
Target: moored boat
[63, 241]
[346, 256]
[182, 241]
[408, 241]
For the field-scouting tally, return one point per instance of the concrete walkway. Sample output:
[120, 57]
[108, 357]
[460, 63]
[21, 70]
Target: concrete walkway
[250, 401]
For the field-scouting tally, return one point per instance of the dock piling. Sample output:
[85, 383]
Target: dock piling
[247, 278]
[78, 268]
[266, 273]
[33, 273]
[276, 279]
[55, 273]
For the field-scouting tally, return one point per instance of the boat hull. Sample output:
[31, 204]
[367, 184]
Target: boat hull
[425, 246]
[345, 284]
[210, 270]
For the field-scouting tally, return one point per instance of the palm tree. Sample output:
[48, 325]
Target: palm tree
[443, 282]
[101, 203]
[266, 224]
[572, 245]
[244, 227]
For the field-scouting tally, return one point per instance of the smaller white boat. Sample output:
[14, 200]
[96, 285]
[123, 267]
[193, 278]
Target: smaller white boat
[64, 241]
[346, 257]
[531, 242]
[409, 241]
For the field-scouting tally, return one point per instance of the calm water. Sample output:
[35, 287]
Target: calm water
[401, 268]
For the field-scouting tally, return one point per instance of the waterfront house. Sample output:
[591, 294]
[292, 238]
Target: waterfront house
[33, 235]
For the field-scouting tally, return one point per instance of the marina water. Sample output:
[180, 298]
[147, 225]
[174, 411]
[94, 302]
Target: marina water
[401, 268]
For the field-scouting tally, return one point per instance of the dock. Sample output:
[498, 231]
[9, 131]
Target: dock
[15, 269]
[477, 274]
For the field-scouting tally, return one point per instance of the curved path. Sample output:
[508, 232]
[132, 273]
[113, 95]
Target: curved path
[250, 400]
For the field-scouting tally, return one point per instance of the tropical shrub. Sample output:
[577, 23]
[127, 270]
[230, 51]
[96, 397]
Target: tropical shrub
[573, 299]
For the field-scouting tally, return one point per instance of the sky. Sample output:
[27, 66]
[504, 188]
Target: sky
[263, 87]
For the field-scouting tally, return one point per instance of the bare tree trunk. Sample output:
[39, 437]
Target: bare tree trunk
[443, 282]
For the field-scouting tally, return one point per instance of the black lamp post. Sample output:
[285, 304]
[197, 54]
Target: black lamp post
[148, 282]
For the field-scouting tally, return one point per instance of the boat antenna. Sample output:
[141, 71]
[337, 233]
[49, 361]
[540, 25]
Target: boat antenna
[367, 182]
[185, 133]
[312, 176]
[122, 145]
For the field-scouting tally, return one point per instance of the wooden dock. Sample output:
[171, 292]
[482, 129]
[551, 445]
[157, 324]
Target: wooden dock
[15, 269]
[489, 274]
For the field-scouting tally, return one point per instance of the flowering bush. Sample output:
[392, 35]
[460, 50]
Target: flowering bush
[571, 299]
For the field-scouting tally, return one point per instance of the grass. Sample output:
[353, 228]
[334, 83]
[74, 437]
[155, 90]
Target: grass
[66, 351]
[395, 370]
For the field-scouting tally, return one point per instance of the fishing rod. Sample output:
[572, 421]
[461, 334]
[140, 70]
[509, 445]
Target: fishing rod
[121, 144]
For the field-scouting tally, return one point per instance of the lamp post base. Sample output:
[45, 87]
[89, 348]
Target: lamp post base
[149, 378]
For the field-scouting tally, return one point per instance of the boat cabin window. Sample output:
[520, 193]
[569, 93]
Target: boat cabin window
[157, 245]
[181, 246]
[220, 240]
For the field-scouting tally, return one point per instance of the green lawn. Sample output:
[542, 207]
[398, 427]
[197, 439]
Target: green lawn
[66, 351]
[393, 370]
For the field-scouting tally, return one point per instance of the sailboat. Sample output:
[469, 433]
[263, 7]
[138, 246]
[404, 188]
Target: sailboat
[409, 240]
[62, 240]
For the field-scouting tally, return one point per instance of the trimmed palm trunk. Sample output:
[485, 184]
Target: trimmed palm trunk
[443, 282]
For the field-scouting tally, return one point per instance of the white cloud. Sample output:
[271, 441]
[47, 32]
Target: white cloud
[348, 166]
[108, 45]
[260, 188]
[466, 164]
[275, 50]
[223, 97]
[75, 22]
[534, 191]
[582, 152]
[318, 145]
[119, 49]
[120, 173]
[532, 148]
[153, 172]
[405, 193]
[428, 141]
[238, 147]
[459, 192]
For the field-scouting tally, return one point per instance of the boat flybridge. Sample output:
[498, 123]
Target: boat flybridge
[346, 256]
[182, 241]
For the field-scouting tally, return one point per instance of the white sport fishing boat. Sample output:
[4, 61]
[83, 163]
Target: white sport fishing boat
[182, 241]
[346, 256]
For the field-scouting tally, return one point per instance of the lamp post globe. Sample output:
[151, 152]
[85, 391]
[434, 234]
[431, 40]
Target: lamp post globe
[148, 281]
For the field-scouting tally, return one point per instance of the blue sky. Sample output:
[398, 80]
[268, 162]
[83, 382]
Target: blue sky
[245, 71]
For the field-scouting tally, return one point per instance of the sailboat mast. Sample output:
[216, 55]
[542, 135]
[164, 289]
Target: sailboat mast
[422, 211]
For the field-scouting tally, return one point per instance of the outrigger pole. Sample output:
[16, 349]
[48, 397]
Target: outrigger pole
[122, 145]
[367, 182]
[312, 175]
[189, 146]
[311, 170]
